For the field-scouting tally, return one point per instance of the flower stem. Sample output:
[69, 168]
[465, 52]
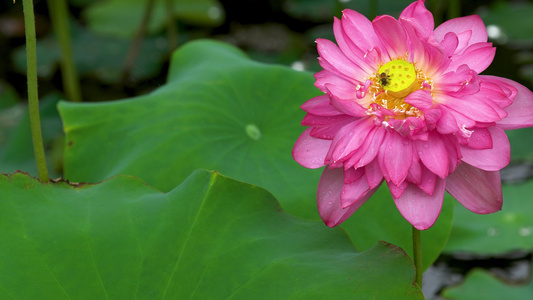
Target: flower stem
[172, 30]
[417, 256]
[33, 98]
[135, 47]
[59, 15]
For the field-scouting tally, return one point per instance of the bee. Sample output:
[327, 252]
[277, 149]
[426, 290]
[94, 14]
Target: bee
[384, 78]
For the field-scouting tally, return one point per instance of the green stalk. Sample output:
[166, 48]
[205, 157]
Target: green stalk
[417, 256]
[172, 30]
[135, 47]
[59, 15]
[33, 98]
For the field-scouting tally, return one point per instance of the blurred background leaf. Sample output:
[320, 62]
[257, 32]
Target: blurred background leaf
[98, 56]
[121, 18]
[479, 284]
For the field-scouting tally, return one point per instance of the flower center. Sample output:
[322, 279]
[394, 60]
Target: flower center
[397, 76]
[393, 82]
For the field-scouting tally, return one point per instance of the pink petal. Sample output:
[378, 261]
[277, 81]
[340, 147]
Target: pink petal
[391, 35]
[343, 99]
[332, 59]
[469, 109]
[477, 56]
[397, 190]
[472, 25]
[415, 171]
[449, 44]
[328, 77]
[348, 140]
[520, 113]
[498, 92]
[427, 56]
[427, 185]
[360, 30]
[477, 190]
[320, 106]
[480, 139]
[418, 13]
[447, 123]
[329, 131]
[459, 83]
[353, 175]
[433, 154]
[312, 120]
[396, 156]
[374, 176]
[369, 149]
[454, 151]
[355, 187]
[329, 198]
[352, 52]
[420, 99]
[420, 209]
[310, 152]
[493, 159]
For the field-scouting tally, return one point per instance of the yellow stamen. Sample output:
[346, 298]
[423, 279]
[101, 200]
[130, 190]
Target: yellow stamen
[398, 76]
[394, 81]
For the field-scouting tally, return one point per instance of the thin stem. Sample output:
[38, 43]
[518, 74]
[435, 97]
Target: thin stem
[137, 41]
[59, 15]
[172, 30]
[417, 256]
[33, 99]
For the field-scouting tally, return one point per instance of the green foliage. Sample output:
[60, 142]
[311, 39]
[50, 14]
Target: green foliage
[481, 285]
[97, 56]
[209, 238]
[221, 111]
[121, 18]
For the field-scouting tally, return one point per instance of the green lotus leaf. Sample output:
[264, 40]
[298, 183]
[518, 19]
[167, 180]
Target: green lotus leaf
[209, 238]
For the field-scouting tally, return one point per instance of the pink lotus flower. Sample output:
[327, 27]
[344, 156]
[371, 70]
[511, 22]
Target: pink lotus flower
[404, 103]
